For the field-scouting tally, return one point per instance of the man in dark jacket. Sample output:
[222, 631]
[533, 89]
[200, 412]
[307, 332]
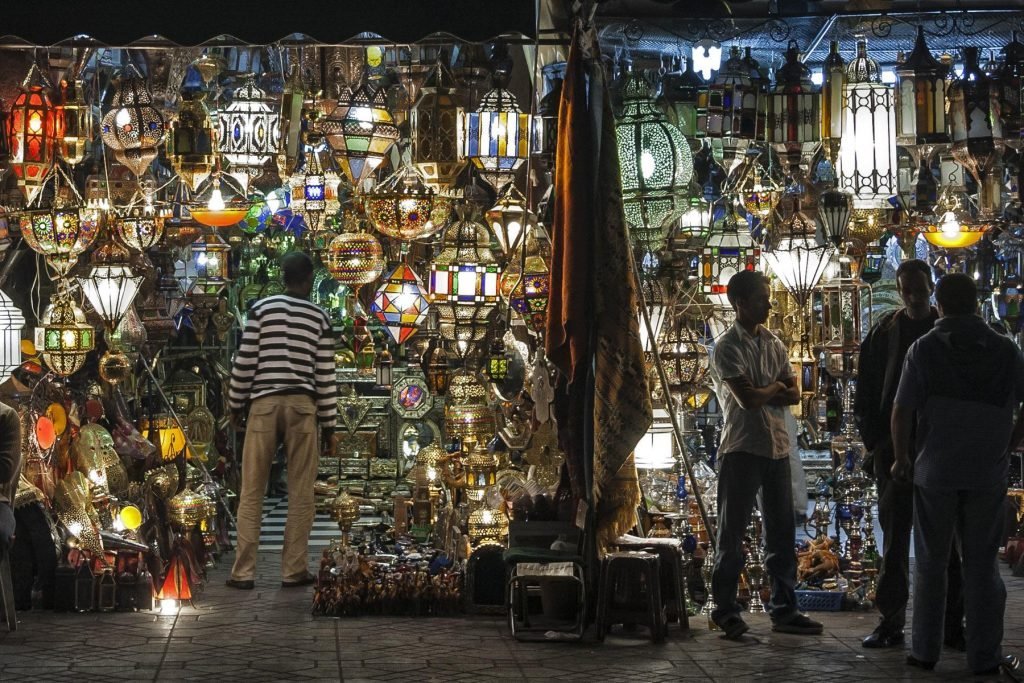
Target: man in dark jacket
[962, 387]
[881, 363]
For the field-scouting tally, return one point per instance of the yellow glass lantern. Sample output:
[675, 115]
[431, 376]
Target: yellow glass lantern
[133, 128]
[360, 130]
[163, 430]
[487, 526]
[400, 303]
[74, 123]
[436, 121]
[481, 471]
[63, 336]
[404, 208]
[954, 227]
[31, 133]
[355, 258]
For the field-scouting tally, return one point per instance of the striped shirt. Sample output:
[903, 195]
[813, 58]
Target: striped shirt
[287, 348]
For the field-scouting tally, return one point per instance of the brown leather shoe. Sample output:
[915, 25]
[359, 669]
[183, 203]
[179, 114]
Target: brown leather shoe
[240, 585]
[307, 580]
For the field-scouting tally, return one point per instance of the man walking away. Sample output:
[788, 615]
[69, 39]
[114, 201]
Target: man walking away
[284, 372]
[755, 385]
[881, 362]
[964, 384]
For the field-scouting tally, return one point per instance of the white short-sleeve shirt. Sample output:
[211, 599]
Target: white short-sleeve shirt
[762, 358]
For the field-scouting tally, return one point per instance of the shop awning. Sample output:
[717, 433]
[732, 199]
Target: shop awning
[118, 23]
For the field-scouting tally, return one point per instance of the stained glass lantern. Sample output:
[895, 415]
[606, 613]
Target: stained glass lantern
[695, 223]
[355, 258]
[31, 133]
[729, 250]
[249, 131]
[190, 146]
[735, 113]
[921, 103]
[111, 286]
[496, 137]
[60, 235]
[835, 209]
[655, 163]
[796, 257]
[309, 184]
[138, 228]
[681, 92]
[867, 153]
[400, 303]
[510, 218]
[5, 143]
[435, 121]
[12, 322]
[63, 336]
[74, 123]
[794, 117]
[526, 285]
[404, 208]
[760, 195]
[975, 126]
[360, 130]
[133, 128]
[209, 258]
[954, 227]
[464, 280]
[164, 430]
[545, 126]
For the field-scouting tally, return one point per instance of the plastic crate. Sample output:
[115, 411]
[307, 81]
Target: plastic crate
[820, 601]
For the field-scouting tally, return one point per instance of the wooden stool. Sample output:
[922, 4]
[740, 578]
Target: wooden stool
[673, 579]
[635, 577]
[7, 589]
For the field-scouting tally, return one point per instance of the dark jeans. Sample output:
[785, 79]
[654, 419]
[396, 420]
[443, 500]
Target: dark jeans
[740, 477]
[6, 525]
[896, 517]
[972, 517]
[33, 557]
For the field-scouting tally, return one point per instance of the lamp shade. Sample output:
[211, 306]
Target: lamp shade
[355, 258]
[497, 137]
[249, 131]
[61, 235]
[835, 208]
[12, 322]
[111, 289]
[400, 303]
[655, 164]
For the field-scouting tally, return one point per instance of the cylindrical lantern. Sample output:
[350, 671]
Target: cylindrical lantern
[833, 89]
[133, 128]
[729, 250]
[921, 98]
[64, 337]
[74, 122]
[400, 303]
[656, 449]
[681, 92]
[249, 131]
[655, 163]
[12, 322]
[496, 137]
[31, 133]
[545, 126]
[190, 141]
[974, 117]
[794, 118]
[435, 120]
[867, 154]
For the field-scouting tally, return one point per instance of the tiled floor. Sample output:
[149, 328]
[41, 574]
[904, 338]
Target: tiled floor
[269, 635]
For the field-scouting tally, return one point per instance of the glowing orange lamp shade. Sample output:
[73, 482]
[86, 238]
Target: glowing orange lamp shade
[222, 218]
[46, 436]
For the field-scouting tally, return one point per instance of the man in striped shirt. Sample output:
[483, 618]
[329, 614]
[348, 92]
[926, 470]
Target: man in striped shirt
[284, 373]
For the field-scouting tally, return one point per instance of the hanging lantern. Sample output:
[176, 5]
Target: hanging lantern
[835, 209]
[526, 284]
[683, 354]
[360, 130]
[545, 126]
[435, 121]
[5, 143]
[794, 119]
[140, 228]
[63, 336]
[921, 103]
[655, 165]
[111, 285]
[31, 133]
[729, 250]
[436, 370]
[208, 266]
[12, 322]
[954, 227]
[74, 123]
[681, 92]
[213, 210]
[760, 195]
[1010, 81]
[467, 417]
[404, 208]
[976, 129]
[734, 118]
[133, 128]
[695, 223]
[190, 141]
[355, 258]
[61, 235]
[249, 131]
[400, 303]
[510, 218]
[481, 472]
[487, 526]
[309, 184]
[795, 256]
[656, 299]
[867, 154]
[496, 137]
[464, 281]
[833, 93]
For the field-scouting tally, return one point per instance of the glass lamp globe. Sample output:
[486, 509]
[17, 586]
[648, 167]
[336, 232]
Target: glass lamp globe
[355, 258]
[400, 303]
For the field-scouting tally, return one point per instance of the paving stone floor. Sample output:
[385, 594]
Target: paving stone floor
[268, 634]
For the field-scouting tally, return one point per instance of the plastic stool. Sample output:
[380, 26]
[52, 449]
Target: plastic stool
[634, 577]
[673, 579]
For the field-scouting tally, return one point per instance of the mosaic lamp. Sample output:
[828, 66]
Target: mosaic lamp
[249, 131]
[12, 322]
[63, 336]
[526, 283]
[497, 136]
[403, 207]
[655, 164]
[61, 235]
[400, 303]
[355, 258]
[133, 128]
[728, 250]
[31, 133]
[140, 228]
[360, 130]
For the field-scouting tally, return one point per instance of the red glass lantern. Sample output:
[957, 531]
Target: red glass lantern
[31, 133]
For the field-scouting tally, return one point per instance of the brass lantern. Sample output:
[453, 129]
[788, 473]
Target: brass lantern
[31, 133]
[355, 258]
[74, 122]
[360, 130]
[190, 142]
[835, 209]
[794, 117]
[921, 103]
[133, 128]
[487, 526]
[404, 208]
[309, 184]
[63, 336]
[249, 131]
[435, 120]
[976, 127]
[682, 350]
[526, 283]
[497, 136]
[467, 415]
[140, 228]
[60, 234]
[1011, 82]
[510, 218]
[734, 119]
[464, 281]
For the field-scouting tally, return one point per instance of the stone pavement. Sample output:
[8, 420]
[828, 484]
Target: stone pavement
[268, 634]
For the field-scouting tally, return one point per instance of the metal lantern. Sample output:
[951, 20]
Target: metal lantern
[209, 257]
[833, 94]
[140, 228]
[63, 337]
[1010, 80]
[796, 257]
[190, 146]
[735, 114]
[682, 92]
[464, 281]
[309, 184]
[400, 303]
[435, 121]
[545, 125]
[355, 258]
[487, 526]
[249, 131]
[867, 154]
[110, 287]
[921, 103]
[12, 322]
[976, 129]
[467, 415]
[835, 208]
[404, 208]
[481, 472]
[695, 223]
[729, 250]
[526, 284]
[497, 137]
[133, 128]
[31, 133]
[655, 163]
[360, 130]
[954, 227]
[656, 299]
[60, 234]
[510, 218]
[682, 350]
[794, 117]
[74, 123]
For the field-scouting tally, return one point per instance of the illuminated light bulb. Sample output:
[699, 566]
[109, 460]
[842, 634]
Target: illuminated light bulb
[75, 528]
[487, 517]
[431, 474]
[68, 338]
[168, 606]
[216, 202]
[123, 117]
[949, 226]
[707, 57]
[646, 164]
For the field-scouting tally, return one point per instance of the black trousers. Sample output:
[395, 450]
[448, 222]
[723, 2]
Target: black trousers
[33, 557]
[896, 517]
[740, 477]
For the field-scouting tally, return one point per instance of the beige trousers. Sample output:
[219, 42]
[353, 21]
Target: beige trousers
[291, 418]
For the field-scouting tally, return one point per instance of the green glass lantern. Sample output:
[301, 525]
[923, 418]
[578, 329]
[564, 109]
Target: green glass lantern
[64, 338]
